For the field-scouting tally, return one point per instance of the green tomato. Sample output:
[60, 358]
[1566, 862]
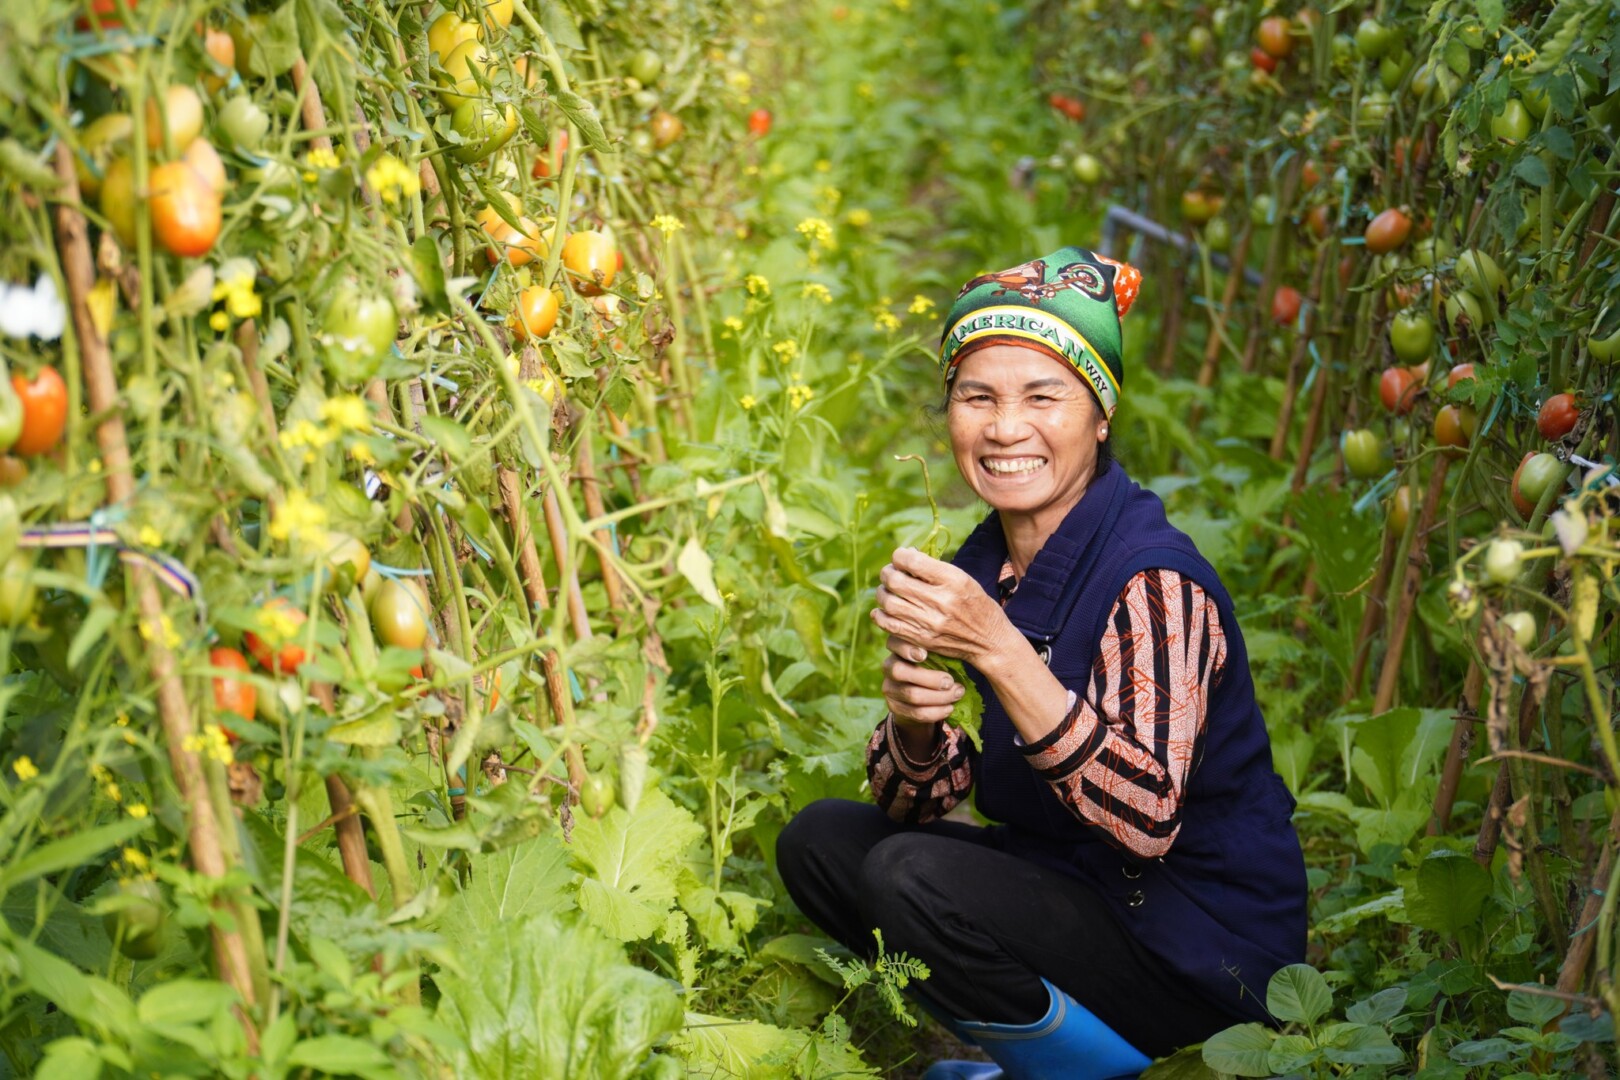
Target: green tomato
[1262, 210]
[11, 411]
[1605, 350]
[646, 66]
[1374, 109]
[1511, 126]
[1537, 101]
[1363, 453]
[1479, 273]
[242, 125]
[1199, 42]
[1502, 561]
[1463, 305]
[17, 589]
[1430, 250]
[1522, 626]
[1373, 39]
[1462, 598]
[484, 127]
[596, 795]
[1536, 474]
[1218, 234]
[357, 331]
[1411, 334]
[1393, 68]
[1087, 169]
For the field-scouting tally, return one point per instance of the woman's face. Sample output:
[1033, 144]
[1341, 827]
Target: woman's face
[1024, 429]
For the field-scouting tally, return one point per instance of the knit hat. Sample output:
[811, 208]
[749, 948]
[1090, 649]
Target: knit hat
[1067, 304]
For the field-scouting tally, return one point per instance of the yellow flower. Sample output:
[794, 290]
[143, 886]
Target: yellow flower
[135, 858]
[147, 536]
[164, 629]
[815, 290]
[787, 349]
[347, 412]
[732, 324]
[113, 792]
[392, 179]
[823, 165]
[817, 231]
[322, 158]
[235, 286]
[299, 521]
[920, 305]
[25, 768]
[860, 217]
[667, 224]
[219, 321]
[739, 80]
[747, 401]
[137, 810]
[799, 395]
[757, 285]
[361, 453]
[305, 433]
[886, 321]
[864, 89]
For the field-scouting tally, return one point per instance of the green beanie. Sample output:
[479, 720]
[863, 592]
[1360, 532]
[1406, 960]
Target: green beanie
[1067, 304]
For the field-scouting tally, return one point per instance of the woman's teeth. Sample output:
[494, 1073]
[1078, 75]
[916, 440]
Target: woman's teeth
[1012, 466]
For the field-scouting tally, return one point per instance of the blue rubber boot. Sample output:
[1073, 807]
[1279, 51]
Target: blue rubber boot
[1068, 1043]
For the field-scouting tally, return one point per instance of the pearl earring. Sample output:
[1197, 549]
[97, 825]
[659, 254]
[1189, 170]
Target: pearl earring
[1103, 431]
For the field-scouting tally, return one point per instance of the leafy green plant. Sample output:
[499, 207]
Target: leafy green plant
[1312, 1042]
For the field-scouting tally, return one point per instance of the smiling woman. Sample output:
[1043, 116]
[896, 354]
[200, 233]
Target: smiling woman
[1142, 879]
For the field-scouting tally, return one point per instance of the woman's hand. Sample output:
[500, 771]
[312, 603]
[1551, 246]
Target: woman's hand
[936, 607]
[914, 693]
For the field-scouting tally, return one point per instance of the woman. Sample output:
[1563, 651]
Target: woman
[1143, 880]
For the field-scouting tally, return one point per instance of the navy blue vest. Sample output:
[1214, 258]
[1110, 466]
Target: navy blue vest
[1226, 906]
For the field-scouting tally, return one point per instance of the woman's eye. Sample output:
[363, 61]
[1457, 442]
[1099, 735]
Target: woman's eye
[1042, 399]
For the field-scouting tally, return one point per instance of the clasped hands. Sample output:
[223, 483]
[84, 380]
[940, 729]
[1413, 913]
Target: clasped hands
[931, 607]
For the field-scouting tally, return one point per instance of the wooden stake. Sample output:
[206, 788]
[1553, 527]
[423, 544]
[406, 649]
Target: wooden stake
[174, 711]
[1218, 320]
[1389, 677]
[1296, 358]
[1458, 750]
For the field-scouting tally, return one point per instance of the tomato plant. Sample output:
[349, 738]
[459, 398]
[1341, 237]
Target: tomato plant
[1454, 426]
[536, 311]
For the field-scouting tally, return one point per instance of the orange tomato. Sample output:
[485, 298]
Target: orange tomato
[1274, 37]
[536, 311]
[180, 117]
[666, 128]
[592, 258]
[1454, 426]
[186, 213]
[44, 400]
[1458, 373]
[550, 163]
[221, 49]
[1388, 231]
[231, 694]
[1285, 304]
[759, 122]
[277, 651]
[204, 161]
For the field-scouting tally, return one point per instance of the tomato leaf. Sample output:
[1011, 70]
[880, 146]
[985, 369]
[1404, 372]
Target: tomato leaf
[582, 114]
[1533, 171]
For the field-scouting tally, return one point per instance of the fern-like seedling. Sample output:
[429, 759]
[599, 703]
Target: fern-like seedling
[968, 713]
[891, 973]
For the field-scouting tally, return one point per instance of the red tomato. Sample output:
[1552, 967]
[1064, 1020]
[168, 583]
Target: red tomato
[1557, 416]
[186, 215]
[107, 13]
[1454, 426]
[277, 651]
[1285, 304]
[44, 401]
[231, 694]
[1535, 474]
[1388, 231]
[550, 164]
[1398, 390]
[1274, 37]
[1319, 219]
[1458, 373]
[759, 122]
[1262, 60]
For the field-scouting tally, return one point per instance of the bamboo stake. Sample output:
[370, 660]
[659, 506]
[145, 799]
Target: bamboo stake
[1302, 340]
[1268, 275]
[1415, 560]
[557, 533]
[1371, 615]
[351, 839]
[1219, 319]
[174, 711]
[591, 490]
[1457, 751]
[309, 104]
[1572, 973]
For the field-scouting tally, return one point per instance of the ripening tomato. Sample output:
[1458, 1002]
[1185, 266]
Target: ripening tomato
[1535, 474]
[1458, 373]
[536, 311]
[666, 127]
[399, 614]
[1398, 389]
[1319, 219]
[1262, 60]
[117, 199]
[1411, 334]
[1388, 231]
[592, 258]
[483, 126]
[204, 161]
[177, 121]
[549, 163]
[221, 50]
[1557, 417]
[1198, 206]
[449, 31]
[521, 246]
[275, 644]
[44, 401]
[1274, 37]
[99, 140]
[106, 13]
[186, 212]
[1454, 426]
[1285, 304]
[759, 122]
[231, 694]
[1363, 453]
[1400, 509]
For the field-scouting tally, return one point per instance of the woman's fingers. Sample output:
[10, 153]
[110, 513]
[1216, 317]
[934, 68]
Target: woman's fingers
[933, 714]
[903, 649]
[931, 693]
[903, 671]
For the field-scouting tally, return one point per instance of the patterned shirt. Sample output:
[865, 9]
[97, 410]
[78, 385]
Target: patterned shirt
[1121, 756]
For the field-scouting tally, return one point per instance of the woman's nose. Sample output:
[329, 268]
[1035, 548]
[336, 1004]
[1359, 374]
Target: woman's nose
[1007, 424]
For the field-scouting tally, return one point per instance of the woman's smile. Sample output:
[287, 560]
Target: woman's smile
[1013, 468]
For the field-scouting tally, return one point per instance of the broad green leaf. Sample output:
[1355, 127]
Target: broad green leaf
[184, 1001]
[449, 436]
[1240, 1051]
[1381, 1008]
[583, 115]
[721, 1046]
[1374, 827]
[70, 851]
[1535, 1010]
[1390, 905]
[1184, 1064]
[722, 918]
[1291, 1053]
[381, 728]
[1298, 994]
[1449, 892]
[546, 999]
[631, 863]
[1376, 759]
[95, 1003]
[530, 878]
[802, 949]
[73, 1058]
[1478, 1052]
[1360, 1044]
[338, 1055]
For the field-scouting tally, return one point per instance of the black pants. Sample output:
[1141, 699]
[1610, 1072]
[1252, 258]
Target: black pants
[989, 925]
